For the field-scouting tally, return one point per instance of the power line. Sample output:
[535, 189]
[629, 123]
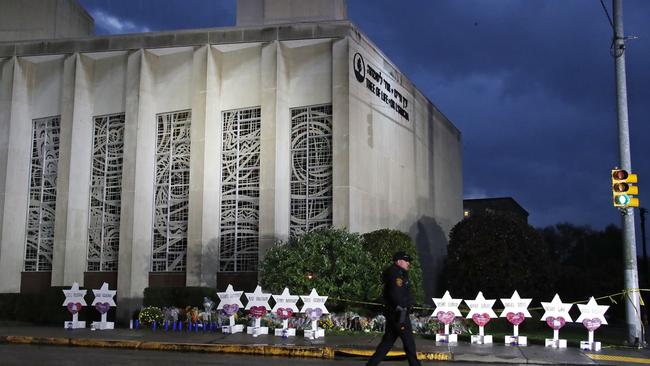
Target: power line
[607, 13]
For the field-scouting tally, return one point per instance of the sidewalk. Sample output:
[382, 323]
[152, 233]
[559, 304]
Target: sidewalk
[327, 347]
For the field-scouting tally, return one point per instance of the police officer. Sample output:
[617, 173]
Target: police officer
[398, 303]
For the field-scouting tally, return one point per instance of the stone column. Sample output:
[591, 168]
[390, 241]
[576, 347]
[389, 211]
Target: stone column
[211, 170]
[137, 185]
[63, 169]
[268, 148]
[73, 186]
[340, 134]
[197, 159]
[17, 183]
[282, 145]
[274, 148]
[6, 87]
[145, 161]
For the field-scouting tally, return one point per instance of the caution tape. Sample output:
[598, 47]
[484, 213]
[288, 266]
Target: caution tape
[623, 294]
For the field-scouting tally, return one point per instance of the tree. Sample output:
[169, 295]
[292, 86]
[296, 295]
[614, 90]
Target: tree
[382, 244]
[591, 261]
[497, 253]
[332, 261]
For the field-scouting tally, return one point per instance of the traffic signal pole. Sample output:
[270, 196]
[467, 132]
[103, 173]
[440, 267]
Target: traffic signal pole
[631, 275]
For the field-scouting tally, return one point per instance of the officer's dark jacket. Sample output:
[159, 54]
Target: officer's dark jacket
[396, 288]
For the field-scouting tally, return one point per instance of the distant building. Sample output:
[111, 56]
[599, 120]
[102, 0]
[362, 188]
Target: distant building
[179, 158]
[43, 19]
[500, 204]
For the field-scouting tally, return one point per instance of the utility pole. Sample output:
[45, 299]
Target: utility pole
[631, 275]
[642, 213]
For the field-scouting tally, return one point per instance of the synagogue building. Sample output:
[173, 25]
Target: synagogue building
[179, 158]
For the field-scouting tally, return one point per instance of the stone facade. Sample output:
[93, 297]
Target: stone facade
[43, 19]
[150, 127]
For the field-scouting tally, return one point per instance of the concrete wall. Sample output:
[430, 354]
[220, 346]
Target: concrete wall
[43, 19]
[257, 12]
[404, 173]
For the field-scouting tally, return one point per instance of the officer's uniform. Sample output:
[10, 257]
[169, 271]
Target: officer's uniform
[397, 299]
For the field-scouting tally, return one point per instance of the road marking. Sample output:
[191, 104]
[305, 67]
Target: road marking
[437, 356]
[599, 357]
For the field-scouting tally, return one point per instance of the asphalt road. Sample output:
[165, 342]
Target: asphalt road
[26, 355]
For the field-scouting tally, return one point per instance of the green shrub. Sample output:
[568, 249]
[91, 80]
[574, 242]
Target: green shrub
[332, 261]
[46, 307]
[382, 244]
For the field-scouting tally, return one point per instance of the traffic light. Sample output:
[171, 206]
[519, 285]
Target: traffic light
[624, 189]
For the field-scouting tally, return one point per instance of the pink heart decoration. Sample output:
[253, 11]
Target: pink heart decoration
[102, 307]
[230, 309]
[314, 314]
[74, 308]
[445, 317]
[481, 319]
[516, 318]
[555, 323]
[284, 313]
[257, 311]
[592, 324]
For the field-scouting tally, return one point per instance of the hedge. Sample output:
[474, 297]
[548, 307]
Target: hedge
[46, 307]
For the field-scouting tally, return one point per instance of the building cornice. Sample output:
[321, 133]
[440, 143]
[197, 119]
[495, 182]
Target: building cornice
[213, 36]
[180, 38]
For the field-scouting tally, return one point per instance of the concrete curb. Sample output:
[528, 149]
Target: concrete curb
[262, 350]
[322, 352]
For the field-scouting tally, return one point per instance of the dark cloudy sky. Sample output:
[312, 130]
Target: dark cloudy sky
[530, 84]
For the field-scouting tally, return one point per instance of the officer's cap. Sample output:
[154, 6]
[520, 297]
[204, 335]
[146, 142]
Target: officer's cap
[401, 255]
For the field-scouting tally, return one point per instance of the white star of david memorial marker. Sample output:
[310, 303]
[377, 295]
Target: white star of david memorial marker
[287, 303]
[314, 307]
[230, 297]
[285, 300]
[481, 305]
[556, 314]
[446, 310]
[314, 301]
[446, 303]
[103, 301]
[104, 295]
[516, 311]
[592, 310]
[556, 308]
[74, 295]
[230, 301]
[591, 316]
[74, 301]
[257, 299]
[480, 310]
[515, 305]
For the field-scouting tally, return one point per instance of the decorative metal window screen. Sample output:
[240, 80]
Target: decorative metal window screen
[106, 193]
[311, 168]
[172, 186]
[240, 190]
[42, 194]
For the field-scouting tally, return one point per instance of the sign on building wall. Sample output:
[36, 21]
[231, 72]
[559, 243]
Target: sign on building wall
[381, 84]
